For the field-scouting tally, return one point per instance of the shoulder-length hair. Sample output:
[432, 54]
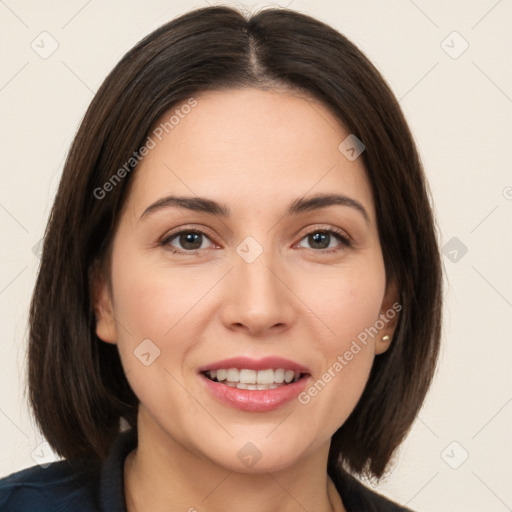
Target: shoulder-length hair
[77, 387]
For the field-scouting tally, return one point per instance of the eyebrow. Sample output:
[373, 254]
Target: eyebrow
[300, 205]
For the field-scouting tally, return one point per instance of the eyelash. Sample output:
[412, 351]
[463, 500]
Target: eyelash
[344, 239]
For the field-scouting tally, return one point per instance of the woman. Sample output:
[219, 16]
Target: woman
[239, 299]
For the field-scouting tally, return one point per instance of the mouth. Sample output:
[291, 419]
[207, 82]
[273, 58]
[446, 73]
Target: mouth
[254, 385]
[254, 380]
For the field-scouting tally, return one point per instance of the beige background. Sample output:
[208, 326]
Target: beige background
[460, 111]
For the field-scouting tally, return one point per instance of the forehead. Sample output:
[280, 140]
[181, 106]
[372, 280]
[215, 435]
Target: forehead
[268, 145]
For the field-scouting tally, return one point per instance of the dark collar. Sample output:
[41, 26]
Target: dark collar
[112, 473]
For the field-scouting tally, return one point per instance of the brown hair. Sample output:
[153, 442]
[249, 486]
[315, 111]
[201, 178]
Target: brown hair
[77, 386]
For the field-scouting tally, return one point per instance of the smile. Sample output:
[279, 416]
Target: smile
[254, 385]
[255, 380]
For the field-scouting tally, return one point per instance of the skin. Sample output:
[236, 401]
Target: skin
[255, 151]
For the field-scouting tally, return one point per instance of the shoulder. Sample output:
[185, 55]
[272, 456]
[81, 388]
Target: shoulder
[84, 485]
[357, 497]
[57, 487]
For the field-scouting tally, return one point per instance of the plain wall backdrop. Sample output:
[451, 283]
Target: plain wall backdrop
[449, 65]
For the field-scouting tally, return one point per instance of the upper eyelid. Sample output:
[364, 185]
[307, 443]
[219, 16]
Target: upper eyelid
[320, 227]
[187, 229]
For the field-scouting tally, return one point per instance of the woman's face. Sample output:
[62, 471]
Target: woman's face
[257, 276]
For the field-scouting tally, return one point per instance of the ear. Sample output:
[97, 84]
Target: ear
[101, 294]
[389, 315]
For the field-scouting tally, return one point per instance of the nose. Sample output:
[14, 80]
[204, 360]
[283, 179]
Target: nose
[258, 299]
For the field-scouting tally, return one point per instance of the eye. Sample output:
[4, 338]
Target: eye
[189, 240]
[321, 239]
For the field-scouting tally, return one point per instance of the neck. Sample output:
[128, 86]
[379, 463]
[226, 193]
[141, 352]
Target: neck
[162, 474]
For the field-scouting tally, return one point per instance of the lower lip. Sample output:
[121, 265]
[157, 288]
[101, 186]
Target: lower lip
[255, 400]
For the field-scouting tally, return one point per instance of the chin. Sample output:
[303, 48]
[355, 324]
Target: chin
[257, 456]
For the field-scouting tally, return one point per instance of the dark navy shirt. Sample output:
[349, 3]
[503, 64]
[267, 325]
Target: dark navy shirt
[61, 488]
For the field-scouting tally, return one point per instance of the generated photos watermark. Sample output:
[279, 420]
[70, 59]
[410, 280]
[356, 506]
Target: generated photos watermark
[156, 136]
[354, 349]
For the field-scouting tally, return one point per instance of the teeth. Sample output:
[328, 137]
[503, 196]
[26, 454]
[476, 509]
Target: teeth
[247, 376]
[279, 376]
[252, 379]
[233, 375]
[265, 377]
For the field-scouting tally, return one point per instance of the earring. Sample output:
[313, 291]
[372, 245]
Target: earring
[385, 337]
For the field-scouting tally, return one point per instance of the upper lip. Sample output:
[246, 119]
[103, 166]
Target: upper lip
[255, 364]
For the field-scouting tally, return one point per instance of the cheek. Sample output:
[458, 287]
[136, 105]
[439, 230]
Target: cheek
[148, 308]
[150, 313]
[348, 301]
[159, 311]
[151, 301]
[350, 306]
